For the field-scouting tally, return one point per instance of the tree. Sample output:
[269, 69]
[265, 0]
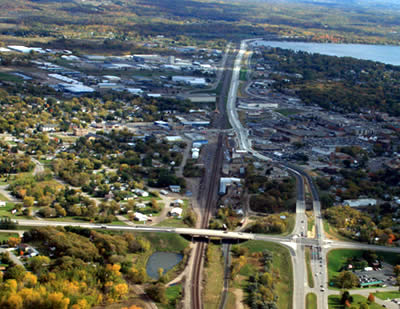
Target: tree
[346, 297]
[160, 272]
[157, 293]
[29, 201]
[16, 272]
[14, 241]
[396, 270]
[347, 280]
[38, 263]
[371, 298]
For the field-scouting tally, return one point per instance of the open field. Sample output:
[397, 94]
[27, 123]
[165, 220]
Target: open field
[334, 302]
[214, 274]
[311, 301]
[281, 263]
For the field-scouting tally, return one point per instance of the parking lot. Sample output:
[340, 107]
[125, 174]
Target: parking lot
[384, 274]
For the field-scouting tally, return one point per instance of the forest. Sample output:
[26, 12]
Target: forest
[341, 84]
[79, 268]
[187, 22]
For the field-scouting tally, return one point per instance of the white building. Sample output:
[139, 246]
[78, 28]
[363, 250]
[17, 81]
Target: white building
[176, 212]
[141, 192]
[365, 202]
[225, 182]
[190, 80]
[140, 217]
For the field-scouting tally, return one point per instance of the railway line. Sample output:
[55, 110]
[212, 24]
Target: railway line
[210, 203]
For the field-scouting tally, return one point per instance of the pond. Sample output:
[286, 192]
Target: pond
[164, 260]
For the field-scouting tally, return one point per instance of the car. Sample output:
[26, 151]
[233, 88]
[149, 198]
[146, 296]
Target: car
[322, 290]
[103, 226]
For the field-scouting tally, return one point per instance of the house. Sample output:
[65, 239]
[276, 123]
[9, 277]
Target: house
[177, 203]
[164, 192]
[2, 203]
[48, 128]
[140, 217]
[140, 205]
[176, 212]
[175, 189]
[360, 202]
[141, 192]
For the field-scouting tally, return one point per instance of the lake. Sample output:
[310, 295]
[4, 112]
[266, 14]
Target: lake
[388, 54]
[164, 260]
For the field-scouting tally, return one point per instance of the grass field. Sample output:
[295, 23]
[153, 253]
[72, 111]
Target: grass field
[288, 111]
[386, 295]
[173, 294]
[10, 78]
[243, 75]
[281, 262]
[310, 278]
[214, 278]
[332, 233]
[334, 302]
[5, 236]
[311, 301]
[337, 259]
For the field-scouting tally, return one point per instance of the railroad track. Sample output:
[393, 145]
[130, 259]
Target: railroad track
[208, 210]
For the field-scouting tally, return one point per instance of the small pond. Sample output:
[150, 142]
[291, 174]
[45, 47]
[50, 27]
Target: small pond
[164, 260]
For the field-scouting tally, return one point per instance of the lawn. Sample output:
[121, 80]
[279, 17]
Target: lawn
[243, 75]
[176, 222]
[337, 259]
[173, 294]
[3, 198]
[386, 295]
[4, 236]
[166, 241]
[214, 278]
[334, 302]
[310, 278]
[311, 301]
[10, 78]
[332, 233]
[288, 111]
[281, 262]
[6, 212]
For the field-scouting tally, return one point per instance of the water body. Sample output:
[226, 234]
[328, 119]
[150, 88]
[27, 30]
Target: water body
[164, 260]
[388, 54]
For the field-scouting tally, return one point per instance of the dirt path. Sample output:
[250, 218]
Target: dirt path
[238, 298]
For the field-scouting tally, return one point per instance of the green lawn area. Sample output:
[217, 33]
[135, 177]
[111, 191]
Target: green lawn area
[338, 257]
[176, 222]
[288, 111]
[6, 212]
[3, 198]
[166, 241]
[5, 236]
[174, 294]
[214, 276]
[331, 232]
[311, 301]
[334, 302]
[281, 262]
[10, 78]
[242, 75]
[310, 223]
[386, 295]
[310, 278]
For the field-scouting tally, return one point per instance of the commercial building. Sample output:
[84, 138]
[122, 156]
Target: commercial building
[199, 98]
[190, 80]
[360, 202]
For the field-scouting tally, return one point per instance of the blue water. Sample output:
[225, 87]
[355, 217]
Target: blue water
[388, 54]
[164, 260]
